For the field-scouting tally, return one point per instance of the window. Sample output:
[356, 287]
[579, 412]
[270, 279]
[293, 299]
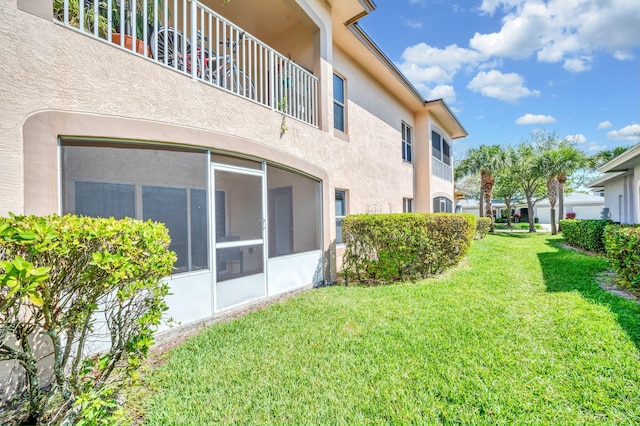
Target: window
[339, 116]
[341, 212]
[407, 205]
[442, 205]
[441, 149]
[407, 143]
[105, 180]
[295, 211]
[441, 157]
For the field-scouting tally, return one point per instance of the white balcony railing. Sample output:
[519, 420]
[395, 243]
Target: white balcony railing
[441, 170]
[188, 37]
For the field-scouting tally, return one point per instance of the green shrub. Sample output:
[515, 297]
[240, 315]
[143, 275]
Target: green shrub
[586, 234]
[383, 248]
[623, 251]
[483, 226]
[87, 290]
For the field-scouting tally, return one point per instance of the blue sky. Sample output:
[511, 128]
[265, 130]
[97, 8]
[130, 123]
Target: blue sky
[510, 67]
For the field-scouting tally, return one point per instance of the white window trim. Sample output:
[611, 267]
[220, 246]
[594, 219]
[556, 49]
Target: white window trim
[346, 209]
[343, 105]
[404, 126]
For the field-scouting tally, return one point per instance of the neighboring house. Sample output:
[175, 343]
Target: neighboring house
[621, 185]
[252, 170]
[585, 206]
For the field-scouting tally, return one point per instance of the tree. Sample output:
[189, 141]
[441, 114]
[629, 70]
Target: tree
[605, 156]
[486, 160]
[559, 159]
[507, 187]
[529, 175]
[571, 160]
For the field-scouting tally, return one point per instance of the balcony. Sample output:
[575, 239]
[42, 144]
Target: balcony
[441, 170]
[187, 36]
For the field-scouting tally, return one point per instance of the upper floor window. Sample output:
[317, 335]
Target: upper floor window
[441, 149]
[407, 143]
[339, 96]
[341, 212]
[442, 205]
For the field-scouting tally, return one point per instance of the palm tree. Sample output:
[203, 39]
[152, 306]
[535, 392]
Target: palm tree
[605, 156]
[548, 165]
[487, 160]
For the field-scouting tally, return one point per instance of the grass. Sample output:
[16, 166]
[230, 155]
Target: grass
[520, 334]
[516, 226]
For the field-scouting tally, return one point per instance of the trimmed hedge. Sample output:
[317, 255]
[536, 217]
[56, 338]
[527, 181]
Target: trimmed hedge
[384, 248]
[586, 234]
[71, 286]
[623, 251]
[483, 226]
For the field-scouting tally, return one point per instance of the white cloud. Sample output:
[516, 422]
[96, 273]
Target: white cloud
[604, 125]
[535, 119]
[424, 75]
[490, 6]
[451, 58]
[443, 91]
[507, 87]
[415, 25]
[594, 147]
[426, 65]
[578, 64]
[623, 56]
[577, 138]
[519, 36]
[627, 133]
[561, 29]
[567, 32]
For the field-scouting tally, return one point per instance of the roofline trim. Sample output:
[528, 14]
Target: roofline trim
[600, 181]
[451, 115]
[620, 159]
[362, 36]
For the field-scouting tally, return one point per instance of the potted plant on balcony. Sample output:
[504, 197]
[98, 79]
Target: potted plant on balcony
[120, 16]
[89, 15]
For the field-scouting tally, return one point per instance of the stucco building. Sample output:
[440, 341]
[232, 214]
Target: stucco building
[249, 128]
[620, 182]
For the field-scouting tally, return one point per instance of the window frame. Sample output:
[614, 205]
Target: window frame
[442, 142]
[447, 203]
[407, 205]
[341, 104]
[407, 143]
[345, 211]
[187, 263]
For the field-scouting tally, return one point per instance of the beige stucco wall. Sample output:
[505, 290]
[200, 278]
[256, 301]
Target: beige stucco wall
[59, 82]
[440, 187]
[93, 89]
[368, 159]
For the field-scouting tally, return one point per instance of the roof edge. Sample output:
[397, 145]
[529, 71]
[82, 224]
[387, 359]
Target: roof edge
[364, 38]
[452, 116]
[620, 159]
[601, 180]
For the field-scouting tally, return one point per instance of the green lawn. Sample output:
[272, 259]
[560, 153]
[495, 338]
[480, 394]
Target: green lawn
[519, 334]
[516, 226]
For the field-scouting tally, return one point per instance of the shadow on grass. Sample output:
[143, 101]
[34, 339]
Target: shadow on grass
[565, 270]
